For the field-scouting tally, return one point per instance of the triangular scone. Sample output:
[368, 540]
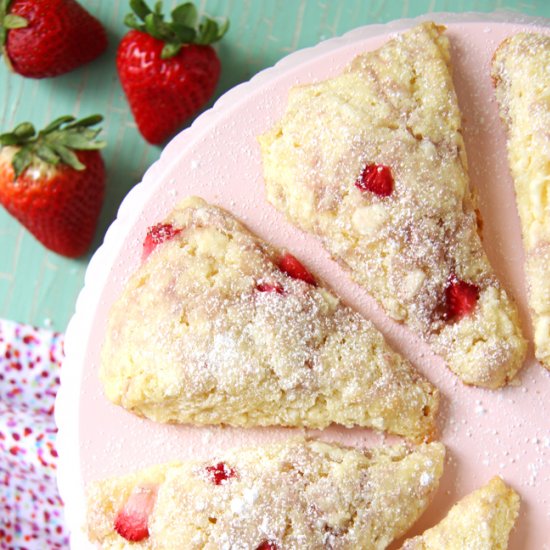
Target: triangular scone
[293, 495]
[373, 162]
[480, 521]
[521, 76]
[218, 327]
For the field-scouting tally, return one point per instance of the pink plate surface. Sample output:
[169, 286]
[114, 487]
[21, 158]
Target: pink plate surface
[504, 432]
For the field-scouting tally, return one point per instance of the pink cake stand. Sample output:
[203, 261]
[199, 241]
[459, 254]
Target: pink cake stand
[504, 432]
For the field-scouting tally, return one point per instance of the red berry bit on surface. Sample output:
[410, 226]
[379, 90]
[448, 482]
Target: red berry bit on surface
[220, 473]
[268, 287]
[293, 268]
[267, 545]
[132, 521]
[377, 179]
[460, 298]
[157, 234]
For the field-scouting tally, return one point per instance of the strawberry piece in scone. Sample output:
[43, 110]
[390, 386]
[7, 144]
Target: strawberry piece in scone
[156, 235]
[218, 327]
[294, 268]
[220, 473]
[132, 519]
[373, 162]
[331, 496]
[376, 179]
[460, 298]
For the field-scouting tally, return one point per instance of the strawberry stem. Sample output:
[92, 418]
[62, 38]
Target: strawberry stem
[55, 144]
[185, 27]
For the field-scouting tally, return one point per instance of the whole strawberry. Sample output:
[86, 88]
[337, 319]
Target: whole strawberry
[53, 182]
[43, 38]
[167, 69]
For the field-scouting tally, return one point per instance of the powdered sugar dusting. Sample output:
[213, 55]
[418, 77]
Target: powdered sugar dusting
[293, 495]
[212, 330]
[404, 117]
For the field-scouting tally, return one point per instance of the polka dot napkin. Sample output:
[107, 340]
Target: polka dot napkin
[31, 511]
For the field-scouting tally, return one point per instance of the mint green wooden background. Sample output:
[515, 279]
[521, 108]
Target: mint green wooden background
[40, 287]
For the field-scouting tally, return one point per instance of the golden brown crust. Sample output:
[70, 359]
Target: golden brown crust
[193, 340]
[297, 495]
[480, 521]
[521, 79]
[397, 107]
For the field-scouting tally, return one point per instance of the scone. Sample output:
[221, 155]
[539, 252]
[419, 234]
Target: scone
[480, 521]
[521, 76]
[373, 162]
[218, 327]
[296, 495]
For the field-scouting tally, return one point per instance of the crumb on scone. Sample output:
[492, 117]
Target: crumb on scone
[521, 75]
[218, 327]
[293, 495]
[373, 162]
[480, 521]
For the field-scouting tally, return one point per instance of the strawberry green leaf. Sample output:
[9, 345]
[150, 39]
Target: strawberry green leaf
[208, 31]
[46, 153]
[184, 34]
[131, 21]
[21, 160]
[163, 28]
[98, 145]
[170, 50]
[24, 130]
[186, 15]
[89, 133]
[22, 133]
[223, 27]
[8, 21]
[56, 143]
[181, 30]
[77, 141]
[57, 123]
[8, 139]
[12, 21]
[140, 8]
[68, 157]
[88, 121]
[152, 26]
